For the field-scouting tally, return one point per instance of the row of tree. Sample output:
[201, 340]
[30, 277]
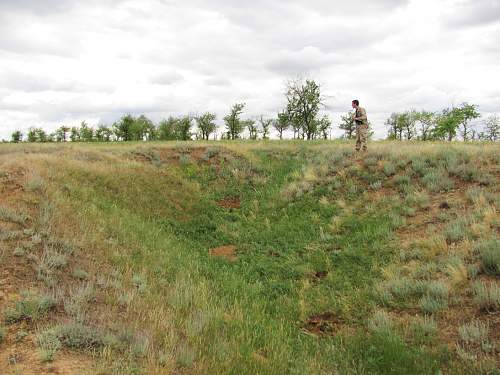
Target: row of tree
[449, 124]
[300, 115]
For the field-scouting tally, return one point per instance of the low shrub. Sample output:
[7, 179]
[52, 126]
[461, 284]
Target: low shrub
[431, 305]
[424, 329]
[456, 230]
[7, 214]
[31, 307]
[389, 169]
[487, 297]
[437, 180]
[489, 252]
[475, 332]
[380, 323]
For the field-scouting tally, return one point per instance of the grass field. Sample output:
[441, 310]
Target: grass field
[250, 258]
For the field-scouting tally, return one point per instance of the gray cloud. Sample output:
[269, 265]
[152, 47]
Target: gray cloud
[474, 13]
[65, 61]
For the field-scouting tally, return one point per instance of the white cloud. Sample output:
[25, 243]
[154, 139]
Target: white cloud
[66, 61]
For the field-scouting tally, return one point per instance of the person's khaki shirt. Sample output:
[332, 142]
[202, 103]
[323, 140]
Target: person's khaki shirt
[361, 113]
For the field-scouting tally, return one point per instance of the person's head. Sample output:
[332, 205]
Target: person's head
[355, 103]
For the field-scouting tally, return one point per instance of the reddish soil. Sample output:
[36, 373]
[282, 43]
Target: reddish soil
[324, 324]
[19, 353]
[228, 252]
[229, 203]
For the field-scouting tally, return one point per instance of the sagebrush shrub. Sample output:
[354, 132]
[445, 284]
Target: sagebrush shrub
[475, 332]
[489, 252]
[487, 297]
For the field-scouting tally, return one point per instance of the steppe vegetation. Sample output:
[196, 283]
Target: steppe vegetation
[250, 257]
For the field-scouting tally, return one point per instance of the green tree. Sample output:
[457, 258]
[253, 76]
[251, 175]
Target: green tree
[61, 134]
[74, 134]
[166, 129]
[447, 124]
[407, 124]
[252, 128]
[206, 124]
[145, 129]
[37, 135]
[395, 131]
[282, 123]
[124, 128]
[467, 112]
[233, 121]
[183, 128]
[103, 133]
[303, 104]
[17, 136]
[348, 125]
[323, 126]
[86, 132]
[427, 121]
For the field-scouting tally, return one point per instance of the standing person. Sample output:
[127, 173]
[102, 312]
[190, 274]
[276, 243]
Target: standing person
[361, 126]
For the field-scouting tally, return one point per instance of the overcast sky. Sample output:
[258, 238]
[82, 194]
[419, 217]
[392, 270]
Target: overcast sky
[65, 61]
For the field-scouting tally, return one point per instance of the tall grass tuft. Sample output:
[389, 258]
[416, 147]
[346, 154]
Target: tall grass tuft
[489, 252]
[487, 297]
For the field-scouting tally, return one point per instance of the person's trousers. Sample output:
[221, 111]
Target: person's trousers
[361, 135]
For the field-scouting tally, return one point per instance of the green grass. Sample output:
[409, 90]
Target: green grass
[310, 241]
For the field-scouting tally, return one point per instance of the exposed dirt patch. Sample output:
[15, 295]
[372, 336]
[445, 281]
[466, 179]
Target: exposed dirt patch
[228, 252]
[318, 276]
[229, 202]
[326, 323]
[19, 353]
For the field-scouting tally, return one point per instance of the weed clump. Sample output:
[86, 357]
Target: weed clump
[487, 297]
[475, 332]
[456, 230]
[424, 329]
[431, 305]
[32, 307]
[139, 282]
[436, 297]
[73, 336]
[7, 214]
[489, 252]
[80, 274]
[389, 169]
[3, 333]
[380, 323]
[437, 180]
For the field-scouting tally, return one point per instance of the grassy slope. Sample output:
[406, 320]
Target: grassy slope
[320, 239]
